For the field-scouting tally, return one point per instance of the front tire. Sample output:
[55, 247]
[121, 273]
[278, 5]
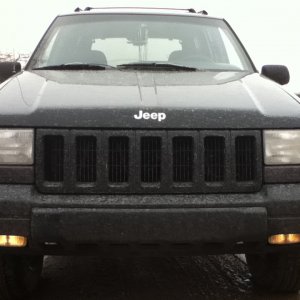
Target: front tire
[276, 272]
[19, 275]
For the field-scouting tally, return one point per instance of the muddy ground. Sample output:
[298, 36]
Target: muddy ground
[209, 277]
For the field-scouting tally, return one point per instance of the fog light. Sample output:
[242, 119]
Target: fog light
[12, 241]
[284, 239]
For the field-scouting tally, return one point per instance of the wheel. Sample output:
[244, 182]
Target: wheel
[277, 272]
[19, 275]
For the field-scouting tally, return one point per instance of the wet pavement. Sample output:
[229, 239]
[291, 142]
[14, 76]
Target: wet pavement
[208, 277]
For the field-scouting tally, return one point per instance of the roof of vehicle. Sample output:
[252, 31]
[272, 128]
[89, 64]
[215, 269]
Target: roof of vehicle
[141, 10]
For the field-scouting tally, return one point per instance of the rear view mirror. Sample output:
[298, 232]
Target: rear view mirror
[141, 38]
[277, 73]
[8, 69]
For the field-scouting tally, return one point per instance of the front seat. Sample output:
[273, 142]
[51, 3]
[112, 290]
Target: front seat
[94, 57]
[175, 56]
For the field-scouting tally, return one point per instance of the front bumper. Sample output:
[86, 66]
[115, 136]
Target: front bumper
[202, 223]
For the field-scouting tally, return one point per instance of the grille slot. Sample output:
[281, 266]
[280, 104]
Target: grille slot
[86, 152]
[96, 161]
[245, 158]
[214, 158]
[118, 159]
[54, 158]
[150, 159]
[183, 159]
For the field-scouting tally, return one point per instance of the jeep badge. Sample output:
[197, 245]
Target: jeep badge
[154, 116]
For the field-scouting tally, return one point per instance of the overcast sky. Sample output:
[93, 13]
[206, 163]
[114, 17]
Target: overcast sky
[269, 29]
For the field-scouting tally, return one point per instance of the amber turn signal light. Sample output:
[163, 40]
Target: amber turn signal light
[284, 239]
[13, 241]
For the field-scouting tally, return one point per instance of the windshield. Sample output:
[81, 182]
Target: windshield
[114, 40]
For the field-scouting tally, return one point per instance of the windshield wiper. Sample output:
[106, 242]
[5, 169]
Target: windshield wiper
[156, 66]
[76, 66]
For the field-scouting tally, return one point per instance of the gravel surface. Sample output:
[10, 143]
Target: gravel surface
[208, 277]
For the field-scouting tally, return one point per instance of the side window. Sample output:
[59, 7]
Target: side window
[46, 55]
[222, 48]
[216, 45]
[231, 52]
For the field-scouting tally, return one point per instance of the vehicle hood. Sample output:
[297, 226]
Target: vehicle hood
[110, 99]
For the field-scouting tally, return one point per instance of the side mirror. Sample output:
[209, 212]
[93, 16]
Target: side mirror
[277, 73]
[8, 69]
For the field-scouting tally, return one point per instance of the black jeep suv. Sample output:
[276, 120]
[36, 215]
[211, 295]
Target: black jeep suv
[146, 131]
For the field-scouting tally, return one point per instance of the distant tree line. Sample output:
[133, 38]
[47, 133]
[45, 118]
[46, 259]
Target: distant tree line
[22, 58]
[7, 57]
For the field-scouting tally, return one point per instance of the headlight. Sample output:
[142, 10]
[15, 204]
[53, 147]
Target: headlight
[282, 147]
[16, 146]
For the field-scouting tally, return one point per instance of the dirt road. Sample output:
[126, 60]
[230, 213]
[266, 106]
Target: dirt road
[210, 277]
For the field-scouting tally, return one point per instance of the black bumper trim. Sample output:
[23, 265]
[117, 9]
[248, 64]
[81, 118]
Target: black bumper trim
[24, 211]
[149, 225]
[282, 174]
[283, 225]
[12, 226]
[17, 174]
